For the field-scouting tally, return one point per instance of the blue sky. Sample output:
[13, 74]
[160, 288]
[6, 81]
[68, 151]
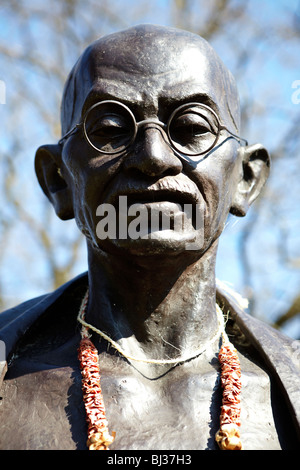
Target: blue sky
[274, 66]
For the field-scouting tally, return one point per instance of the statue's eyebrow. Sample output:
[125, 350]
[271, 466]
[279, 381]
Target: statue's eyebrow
[168, 102]
[95, 96]
[207, 100]
[202, 98]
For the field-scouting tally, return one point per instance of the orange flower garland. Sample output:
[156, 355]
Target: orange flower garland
[228, 436]
[98, 435]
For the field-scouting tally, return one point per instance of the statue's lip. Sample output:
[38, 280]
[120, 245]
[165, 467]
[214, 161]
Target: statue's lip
[150, 196]
[176, 190]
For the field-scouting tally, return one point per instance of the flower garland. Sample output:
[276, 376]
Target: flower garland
[98, 435]
[228, 436]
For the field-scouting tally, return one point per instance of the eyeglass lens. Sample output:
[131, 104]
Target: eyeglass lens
[110, 127]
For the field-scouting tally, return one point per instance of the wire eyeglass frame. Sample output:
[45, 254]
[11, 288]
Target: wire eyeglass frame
[139, 124]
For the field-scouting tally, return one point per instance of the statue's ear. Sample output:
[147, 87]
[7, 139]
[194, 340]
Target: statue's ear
[255, 170]
[48, 165]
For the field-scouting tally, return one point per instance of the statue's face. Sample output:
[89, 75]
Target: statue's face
[152, 79]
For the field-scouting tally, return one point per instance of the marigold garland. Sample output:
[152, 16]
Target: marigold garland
[228, 436]
[98, 435]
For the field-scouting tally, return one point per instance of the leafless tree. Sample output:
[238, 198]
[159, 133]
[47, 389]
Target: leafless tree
[40, 42]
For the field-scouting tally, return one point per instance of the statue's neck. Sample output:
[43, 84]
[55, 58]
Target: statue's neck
[155, 308]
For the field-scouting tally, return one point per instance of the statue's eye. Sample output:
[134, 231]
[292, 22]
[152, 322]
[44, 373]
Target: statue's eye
[109, 126]
[190, 126]
[108, 130]
[193, 129]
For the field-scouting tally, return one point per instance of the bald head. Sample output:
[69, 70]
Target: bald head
[152, 72]
[166, 56]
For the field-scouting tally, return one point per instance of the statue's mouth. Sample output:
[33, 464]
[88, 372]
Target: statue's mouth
[173, 190]
[149, 197]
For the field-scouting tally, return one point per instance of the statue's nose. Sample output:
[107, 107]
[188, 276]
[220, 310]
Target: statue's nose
[152, 154]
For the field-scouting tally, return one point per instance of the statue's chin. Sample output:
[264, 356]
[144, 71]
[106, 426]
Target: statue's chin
[163, 242]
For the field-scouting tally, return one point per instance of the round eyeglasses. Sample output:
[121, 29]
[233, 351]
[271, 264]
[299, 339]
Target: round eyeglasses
[110, 128]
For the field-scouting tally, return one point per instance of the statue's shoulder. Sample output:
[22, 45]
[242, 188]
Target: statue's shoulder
[256, 331]
[279, 353]
[16, 321]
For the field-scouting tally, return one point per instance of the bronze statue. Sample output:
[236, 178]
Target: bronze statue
[150, 118]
